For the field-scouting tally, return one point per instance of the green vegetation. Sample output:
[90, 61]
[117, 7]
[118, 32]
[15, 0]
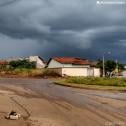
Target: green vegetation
[120, 82]
[22, 72]
[92, 87]
[27, 72]
[110, 65]
[25, 68]
[50, 73]
[22, 64]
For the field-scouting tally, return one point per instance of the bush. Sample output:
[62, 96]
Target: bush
[22, 64]
[50, 73]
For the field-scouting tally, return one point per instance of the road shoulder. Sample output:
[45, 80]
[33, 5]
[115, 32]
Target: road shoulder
[92, 87]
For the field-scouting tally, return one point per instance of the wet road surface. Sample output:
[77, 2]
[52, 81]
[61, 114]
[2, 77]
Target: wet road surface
[101, 107]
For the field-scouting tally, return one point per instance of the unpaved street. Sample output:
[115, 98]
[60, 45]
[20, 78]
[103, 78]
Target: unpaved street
[46, 104]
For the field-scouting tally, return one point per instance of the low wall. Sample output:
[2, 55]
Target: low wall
[96, 72]
[77, 71]
[74, 71]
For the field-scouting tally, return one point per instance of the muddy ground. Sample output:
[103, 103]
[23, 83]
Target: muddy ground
[41, 103]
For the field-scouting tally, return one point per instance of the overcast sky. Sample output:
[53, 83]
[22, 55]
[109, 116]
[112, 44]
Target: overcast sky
[47, 28]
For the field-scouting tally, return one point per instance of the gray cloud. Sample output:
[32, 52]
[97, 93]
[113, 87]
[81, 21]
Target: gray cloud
[62, 28]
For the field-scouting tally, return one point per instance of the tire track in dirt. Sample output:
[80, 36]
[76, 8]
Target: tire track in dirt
[61, 107]
[93, 105]
[22, 107]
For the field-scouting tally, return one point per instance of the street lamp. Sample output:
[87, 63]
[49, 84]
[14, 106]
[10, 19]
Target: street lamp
[103, 61]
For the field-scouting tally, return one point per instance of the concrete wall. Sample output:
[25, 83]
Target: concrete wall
[123, 73]
[75, 71]
[85, 72]
[54, 64]
[90, 72]
[96, 72]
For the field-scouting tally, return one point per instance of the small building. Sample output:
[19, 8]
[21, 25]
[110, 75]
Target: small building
[71, 66]
[3, 64]
[39, 61]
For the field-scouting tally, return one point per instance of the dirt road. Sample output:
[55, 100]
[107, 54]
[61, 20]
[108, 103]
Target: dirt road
[43, 103]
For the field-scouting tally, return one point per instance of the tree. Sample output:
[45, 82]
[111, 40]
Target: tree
[120, 66]
[110, 65]
[22, 64]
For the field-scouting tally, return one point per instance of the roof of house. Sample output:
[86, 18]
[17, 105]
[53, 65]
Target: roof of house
[3, 62]
[72, 60]
[42, 59]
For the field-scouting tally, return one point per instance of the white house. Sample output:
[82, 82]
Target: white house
[71, 66]
[39, 61]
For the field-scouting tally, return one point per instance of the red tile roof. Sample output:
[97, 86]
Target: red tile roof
[72, 60]
[3, 63]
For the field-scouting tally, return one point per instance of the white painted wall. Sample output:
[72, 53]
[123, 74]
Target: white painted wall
[39, 62]
[123, 73]
[75, 71]
[81, 72]
[90, 72]
[54, 64]
[96, 72]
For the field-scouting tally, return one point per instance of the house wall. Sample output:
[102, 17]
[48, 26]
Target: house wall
[85, 72]
[39, 62]
[90, 72]
[123, 73]
[81, 72]
[96, 72]
[55, 64]
[75, 71]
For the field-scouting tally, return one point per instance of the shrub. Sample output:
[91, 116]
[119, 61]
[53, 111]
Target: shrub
[50, 73]
[22, 64]
[97, 81]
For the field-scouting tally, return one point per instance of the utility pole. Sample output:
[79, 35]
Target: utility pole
[103, 61]
[117, 67]
[103, 58]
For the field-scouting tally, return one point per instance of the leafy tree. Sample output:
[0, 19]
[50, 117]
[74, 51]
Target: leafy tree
[110, 65]
[22, 64]
[99, 64]
[120, 66]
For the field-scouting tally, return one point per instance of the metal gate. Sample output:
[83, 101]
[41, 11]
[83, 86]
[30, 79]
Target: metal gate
[90, 72]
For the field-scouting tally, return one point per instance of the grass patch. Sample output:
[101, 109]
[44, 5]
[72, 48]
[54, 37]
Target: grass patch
[22, 72]
[92, 87]
[118, 82]
[25, 72]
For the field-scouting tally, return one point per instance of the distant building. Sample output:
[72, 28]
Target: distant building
[3, 64]
[71, 66]
[37, 59]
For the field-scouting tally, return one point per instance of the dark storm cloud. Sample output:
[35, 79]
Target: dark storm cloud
[7, 2]
[62, 28]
